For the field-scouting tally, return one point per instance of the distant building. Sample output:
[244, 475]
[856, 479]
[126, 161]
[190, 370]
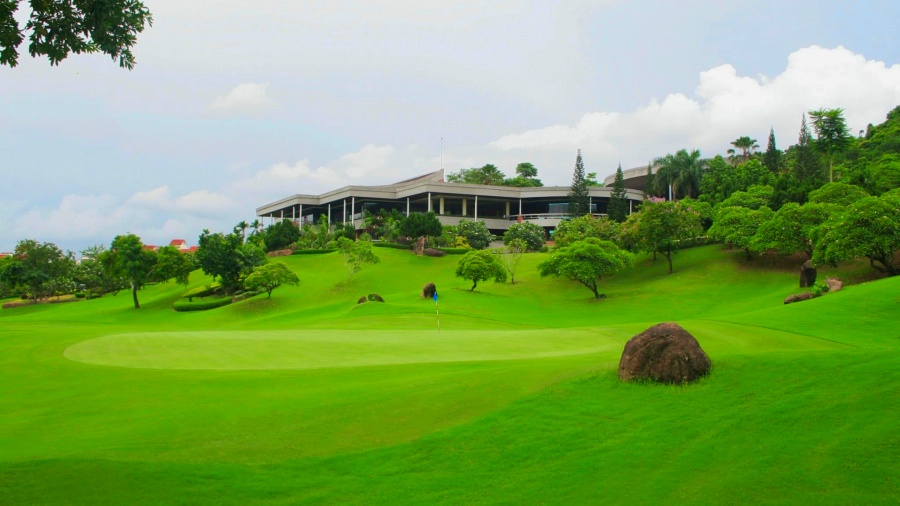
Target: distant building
[498, 206]
[181, 244]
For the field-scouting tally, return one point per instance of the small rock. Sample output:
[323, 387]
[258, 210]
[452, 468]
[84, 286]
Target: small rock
[797, 297]
[834, 284]
[362, 299]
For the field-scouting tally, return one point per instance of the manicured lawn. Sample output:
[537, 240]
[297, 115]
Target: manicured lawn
[308, 397]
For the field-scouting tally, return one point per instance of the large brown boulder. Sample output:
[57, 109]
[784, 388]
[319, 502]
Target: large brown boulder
[665, 353]
[428, 290]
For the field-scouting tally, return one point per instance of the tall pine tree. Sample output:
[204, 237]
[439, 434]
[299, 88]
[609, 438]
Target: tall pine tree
[579, 196]
[650, 186]
[618, 202]
[772, 157]
[806, 165]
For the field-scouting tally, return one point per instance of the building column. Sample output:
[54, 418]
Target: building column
[507, 209]
[590, 204]
[429, 202]
[282, 215]
[344, 221]
[329, 215]
[441, 205]
[301, 214]
[630, 206]
[520, 207]
[352, 211]
[407, 207]
[464, 207]
[293, 213]
[476, 207]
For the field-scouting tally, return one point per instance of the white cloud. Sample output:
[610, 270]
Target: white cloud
[247, 97]
[725, 106]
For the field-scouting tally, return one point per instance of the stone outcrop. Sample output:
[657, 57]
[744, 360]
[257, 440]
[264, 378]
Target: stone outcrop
[834, 284]
[797, 297]
[428, 290]
[665, 353]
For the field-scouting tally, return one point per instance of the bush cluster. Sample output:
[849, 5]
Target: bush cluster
[313, 251]
[202, 305]
[392, 245]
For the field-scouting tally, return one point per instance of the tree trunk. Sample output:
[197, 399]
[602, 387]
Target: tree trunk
[668, 255]
[474, 284]
[747, 251]
[137, 305]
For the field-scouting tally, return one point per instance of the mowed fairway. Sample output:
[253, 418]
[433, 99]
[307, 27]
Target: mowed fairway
[308, 397]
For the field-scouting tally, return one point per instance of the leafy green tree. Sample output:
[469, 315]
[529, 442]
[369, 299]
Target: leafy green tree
[39, 267]
[663, 226]
[127, 259]
[476, 233]
[220, 256]
[357, 254]
[579, 196]
[270, 276]
[532, 235]
[754, 198]
[510, 255]
[280, 235]
[841, 194]
[869, 227]
[489, 174]
[772, 156]
[746, 145]
[586, 261]
[738, 226]
[591, 179]
[791, 229]
[480, 265]
[582, 227]
[681, 172]
[618, 200]
[241, 228]
[421, 225]
[58, 27]
[832, 134]
[526, 176]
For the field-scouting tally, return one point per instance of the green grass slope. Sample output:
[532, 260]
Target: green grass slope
[309, 397]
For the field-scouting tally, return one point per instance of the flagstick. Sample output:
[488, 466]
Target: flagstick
[438, 313]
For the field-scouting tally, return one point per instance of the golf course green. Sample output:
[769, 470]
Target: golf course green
[505, 394]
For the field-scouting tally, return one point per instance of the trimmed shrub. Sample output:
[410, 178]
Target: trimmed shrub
[313, 251]
[374, 297]
[392, 245]
[202, 305]
[455, 251]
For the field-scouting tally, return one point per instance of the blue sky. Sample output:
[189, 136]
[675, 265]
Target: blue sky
[232, 107]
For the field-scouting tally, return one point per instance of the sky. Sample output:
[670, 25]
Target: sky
[231, 107]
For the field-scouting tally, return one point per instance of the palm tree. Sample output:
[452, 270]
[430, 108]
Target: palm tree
[746, 145]
[242, 227]
[680, 173]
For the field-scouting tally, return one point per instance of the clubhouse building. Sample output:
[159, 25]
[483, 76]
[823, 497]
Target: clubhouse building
[498, 206]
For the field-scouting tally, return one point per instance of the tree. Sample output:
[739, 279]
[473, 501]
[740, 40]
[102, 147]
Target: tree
[791, 229]
[241, 228]
[127, 258]
[357, 254]
[510, 255]
[738, 226]
[480, 265]
[418, 225]
[489, 174]
[59, 27]
[746, 145]
[754, 198]
[680, 172]
[806, 167]
[586, 262]
[220, 255]
[476, 233]
[650, 185]
[618, 200]
[591, 179]
[869, 227]
[582, 227]
[532, 235]
[772, 156]
[280, 235]
[663, 226]
[270, 276]
[526, 176]
[832, 135]
[841, 194]
[579, 196]
[39, 267]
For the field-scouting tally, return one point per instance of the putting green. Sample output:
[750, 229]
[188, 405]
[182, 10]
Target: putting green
[315, 349]
[318, 349]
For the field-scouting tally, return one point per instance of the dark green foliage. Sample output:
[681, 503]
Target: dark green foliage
[841, 194]
[270, 276]
[421, 225]
[127, 259]
[873, 162]
[526, 176]
[374, 297]
[618, 201]
[650, 185]
[393, 245]
[357, 254]
[475, 233]
[489, 174]
[579, 196]
[60, 27]
[586, 261]
[791, 229]
[804, 162]
[681, 172]
[454, 251]
[754, 198]
[737, 226]
[832, 135]
[869, 227]
[480, 265]
[747, 147]
[323, 251]
[532, 235]
[220, 256]
[281, 235]
[661, 227]
[772, 156]
[582, 227]
[182, 305]
[721, 180]
[40, 268]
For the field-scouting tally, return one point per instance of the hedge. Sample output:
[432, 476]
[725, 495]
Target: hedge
[455, 251]
[313, 251]
[203, 305]
[392, 245]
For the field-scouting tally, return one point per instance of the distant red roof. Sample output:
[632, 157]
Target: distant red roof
[192, 249]
[151, 247]
[177, 242]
